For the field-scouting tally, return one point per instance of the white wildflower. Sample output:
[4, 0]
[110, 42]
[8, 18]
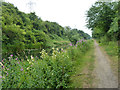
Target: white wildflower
[57, 49]
[53, 48]
[31, 57]
[28, 68]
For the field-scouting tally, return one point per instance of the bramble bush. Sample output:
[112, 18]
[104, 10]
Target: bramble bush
[48, 71]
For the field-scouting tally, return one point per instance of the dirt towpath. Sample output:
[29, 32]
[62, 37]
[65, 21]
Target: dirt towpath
[103, 72]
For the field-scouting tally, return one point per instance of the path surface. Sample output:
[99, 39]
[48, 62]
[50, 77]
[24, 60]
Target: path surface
[103, 71]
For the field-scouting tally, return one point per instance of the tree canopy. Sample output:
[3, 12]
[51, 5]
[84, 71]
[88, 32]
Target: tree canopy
[102, 19]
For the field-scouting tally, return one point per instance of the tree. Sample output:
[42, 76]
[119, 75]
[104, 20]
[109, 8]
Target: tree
[99, 18]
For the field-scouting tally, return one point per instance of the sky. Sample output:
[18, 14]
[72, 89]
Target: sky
[65, 12]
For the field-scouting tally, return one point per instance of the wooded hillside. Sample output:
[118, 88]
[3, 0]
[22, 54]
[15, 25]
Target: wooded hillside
[22, 31]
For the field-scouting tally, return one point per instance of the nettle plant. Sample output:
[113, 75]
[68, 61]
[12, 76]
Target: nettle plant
[48, 72]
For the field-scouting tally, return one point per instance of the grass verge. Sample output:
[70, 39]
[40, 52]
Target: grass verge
[82, 77]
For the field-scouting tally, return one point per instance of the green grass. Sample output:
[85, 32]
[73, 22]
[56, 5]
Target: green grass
[82, 76]
[111, 48]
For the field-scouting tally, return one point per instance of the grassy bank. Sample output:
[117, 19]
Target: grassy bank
[82, 77]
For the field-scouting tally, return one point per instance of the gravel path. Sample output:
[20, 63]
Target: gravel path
[103, 71]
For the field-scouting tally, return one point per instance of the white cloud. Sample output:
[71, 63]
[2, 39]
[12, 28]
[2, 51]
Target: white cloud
[64, 12]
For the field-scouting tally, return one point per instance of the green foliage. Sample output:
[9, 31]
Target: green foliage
[113, 31]
[78, 50]
[45, 72]
[114, 26]
[27, 31]
[85, 63]
[75, 35]
[102, 19]
[111, 48]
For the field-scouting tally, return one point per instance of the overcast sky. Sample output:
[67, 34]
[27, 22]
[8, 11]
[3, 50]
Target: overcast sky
[64, 12]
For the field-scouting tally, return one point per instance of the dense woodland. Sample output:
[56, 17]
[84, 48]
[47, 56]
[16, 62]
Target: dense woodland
[22, 31]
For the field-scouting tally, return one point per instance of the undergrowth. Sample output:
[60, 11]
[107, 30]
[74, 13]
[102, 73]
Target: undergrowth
[48, 71]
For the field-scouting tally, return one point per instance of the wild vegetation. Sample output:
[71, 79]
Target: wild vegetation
[37, 53]
[43, 54]
[21, 31]
[82, 76]
[103, 19]
[45, 72]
